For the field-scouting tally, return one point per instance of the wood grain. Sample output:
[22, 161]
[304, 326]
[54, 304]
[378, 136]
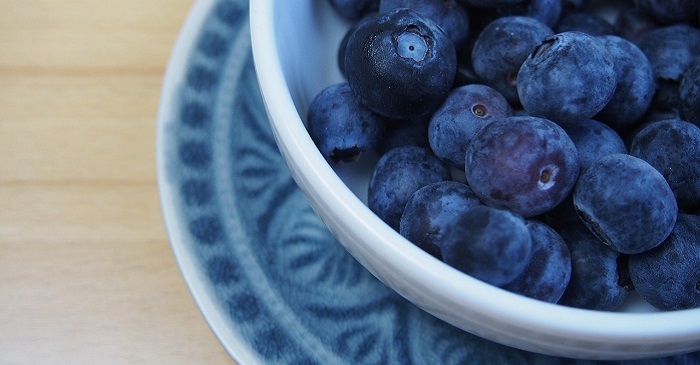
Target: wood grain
[86, 271]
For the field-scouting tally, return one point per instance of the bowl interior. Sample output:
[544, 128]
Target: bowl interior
[310, 63]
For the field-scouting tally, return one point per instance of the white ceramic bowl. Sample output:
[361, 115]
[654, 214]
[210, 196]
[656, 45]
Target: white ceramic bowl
[295, 45]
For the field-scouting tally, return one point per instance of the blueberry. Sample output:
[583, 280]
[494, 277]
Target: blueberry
[632, 23]
[489, 3]
[563, 214]
[409, 132]
[342, 128]
[587, 68]
[626, 203]
[522, 163]
[465, 74]
[652, 115]
[670, 11]
[354, 9]
[489, 244]
[672, 147]
[548, 273]
[398, 174]
[464, 112]
[448, 14]
[500, 49]
[635, 83]
[342, 47]
[671, 50]
[689, 94]
[400, 64]
[668, 276]
[599, 275]
[546, 11]
[585, 22]
[594, 140]
[431, 209]
[575, 5]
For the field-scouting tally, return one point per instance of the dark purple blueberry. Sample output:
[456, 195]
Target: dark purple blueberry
[563, 214]
[448, 14]
[599, 274]
[594, 140]
[547, 274]
[568, 78]
[652, 115]
[500, 49]
[400, 64]
[670, 11]
[671, 50]
[342, 128]
[626, 203]
[673, 148]
[340, 59]
[354, 9]
[547, 12]
[465, 74]
[632, 23]
[344, 43]
[585, 22]
[689, 94]
[524, 164]
[668, 277]
[635, 84]
[489, 3]
[489, 244]
[431, 210]
[466, 110]
[575, 5]
[398, 174]
[409, 132]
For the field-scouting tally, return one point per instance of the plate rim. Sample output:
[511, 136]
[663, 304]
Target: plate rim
[198, 285]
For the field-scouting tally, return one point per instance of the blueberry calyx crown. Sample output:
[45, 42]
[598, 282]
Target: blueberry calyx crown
[351, 154]
[543, 47]
[411, 43]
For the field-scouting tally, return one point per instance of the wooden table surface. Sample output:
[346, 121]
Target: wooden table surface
[87, 275]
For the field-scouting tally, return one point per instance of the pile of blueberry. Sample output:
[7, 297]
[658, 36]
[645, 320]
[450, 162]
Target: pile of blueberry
[547, 147]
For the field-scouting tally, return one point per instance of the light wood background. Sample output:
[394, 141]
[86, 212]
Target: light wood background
[87, 275]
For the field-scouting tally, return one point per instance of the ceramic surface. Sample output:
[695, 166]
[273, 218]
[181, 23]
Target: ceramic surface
[271, 280]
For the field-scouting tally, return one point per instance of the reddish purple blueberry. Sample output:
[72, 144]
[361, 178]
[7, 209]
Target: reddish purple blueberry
[524, 164]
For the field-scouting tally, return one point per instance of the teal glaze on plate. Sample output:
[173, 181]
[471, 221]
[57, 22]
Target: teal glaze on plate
[286, 287]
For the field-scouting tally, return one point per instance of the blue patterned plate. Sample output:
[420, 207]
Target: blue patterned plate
[269, 278]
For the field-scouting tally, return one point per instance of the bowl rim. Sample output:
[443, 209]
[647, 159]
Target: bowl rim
[493, 305]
